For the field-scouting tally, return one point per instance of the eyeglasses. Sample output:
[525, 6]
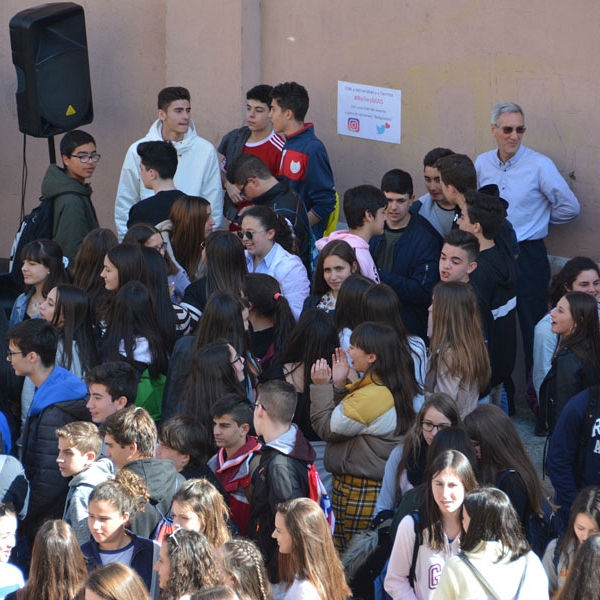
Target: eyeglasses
[508, 130]
[236, 359]
[173, 536]
[10, 354]
[248, 234]
[86, 158]
[243, 188]
[161, 247]
[429, 426]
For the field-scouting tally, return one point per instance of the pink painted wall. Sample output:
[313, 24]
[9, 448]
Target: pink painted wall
[453, 61]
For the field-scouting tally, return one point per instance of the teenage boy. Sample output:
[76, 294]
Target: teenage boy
[305, 161]
[130, 438]
[58, 399]
[282, 473]
[74, 215]
[364, 207]
[459, 255]
[79, 449]
[407, 253]
[256, 138]
[237, 457]
[250, 174]
[434, 206]
[158, 165]
[495, 282]
[112, 386]
[198, 167]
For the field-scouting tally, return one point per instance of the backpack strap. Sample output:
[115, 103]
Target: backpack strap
[557, 553]
[482, 580]
[418, 543]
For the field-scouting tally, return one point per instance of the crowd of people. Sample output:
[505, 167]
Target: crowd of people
[234, 398]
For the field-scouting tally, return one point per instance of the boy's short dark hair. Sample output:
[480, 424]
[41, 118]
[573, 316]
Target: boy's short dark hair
[160, 156]
[261, 92]
[488, 211]
[239, 409]
[292, 96]
[246, 166]
[74, 139]
[132, 425]
[171, 94]
[184, 434]
[465, 240]
[279, 400]
[361, 199]
[457, 170]
[82, 435]
[35, 335]
[397, 181]
[434, 155]
[119, 378]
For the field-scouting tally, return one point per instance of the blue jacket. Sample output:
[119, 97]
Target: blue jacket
[566, 475]
[306, 164]
[145, 555]
[415, 270]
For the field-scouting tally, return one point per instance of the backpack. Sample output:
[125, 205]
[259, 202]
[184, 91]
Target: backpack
[540, 528]
[318, 493]
[37, 225]
[165, 526]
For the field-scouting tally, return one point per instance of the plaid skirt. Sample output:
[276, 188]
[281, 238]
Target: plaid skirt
[353, 501]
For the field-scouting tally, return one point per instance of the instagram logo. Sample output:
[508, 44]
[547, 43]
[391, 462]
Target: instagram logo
[353, 125]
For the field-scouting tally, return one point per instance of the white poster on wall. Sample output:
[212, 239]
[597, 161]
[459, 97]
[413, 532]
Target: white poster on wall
[369, 112]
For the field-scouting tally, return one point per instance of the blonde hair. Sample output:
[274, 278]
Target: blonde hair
[243, 562]
[82, 435]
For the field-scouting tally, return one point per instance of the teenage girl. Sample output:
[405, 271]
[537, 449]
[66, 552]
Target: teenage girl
[459, 363]
[440, 520]
[362, 422]
[308, 562]
[584, 521]
[198, 506]
[336, 262]
[112, 505]
[115, 581]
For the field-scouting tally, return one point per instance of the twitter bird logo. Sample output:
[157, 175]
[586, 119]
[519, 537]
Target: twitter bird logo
[380, 129]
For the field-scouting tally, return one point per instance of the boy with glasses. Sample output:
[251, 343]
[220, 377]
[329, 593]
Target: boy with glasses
[74, 215]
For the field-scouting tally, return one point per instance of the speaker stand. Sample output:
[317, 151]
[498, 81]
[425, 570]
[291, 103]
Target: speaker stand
[52, 150]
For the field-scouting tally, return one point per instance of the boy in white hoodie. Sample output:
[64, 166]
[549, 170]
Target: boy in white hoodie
[79, 446]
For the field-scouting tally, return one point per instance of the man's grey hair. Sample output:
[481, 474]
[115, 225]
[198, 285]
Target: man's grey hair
[504, 107]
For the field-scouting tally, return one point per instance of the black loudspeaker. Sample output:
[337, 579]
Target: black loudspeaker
[49, 50]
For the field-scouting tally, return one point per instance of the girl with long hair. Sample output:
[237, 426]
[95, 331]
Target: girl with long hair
[308, 562]
[186, 564]
[503, 460]
[362, 422]
[112, 505]
[58, 568]
[459, 363]
[336, 262]
[243, 569]
[224, 270]
[67, 307]
[42, 270]
[199, 506]
[148, 236]
[576, 362]
[265, 233]
[381, 304]
[133, 332]
[88, 264]
[271, 321]
[190, 222]
[115, 581]
[405, 468]
[584, 521]
[439, 519]
[495, 559]
[583, 581]
[580, 274]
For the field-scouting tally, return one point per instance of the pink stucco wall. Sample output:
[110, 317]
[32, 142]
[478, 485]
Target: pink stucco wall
[453, 61]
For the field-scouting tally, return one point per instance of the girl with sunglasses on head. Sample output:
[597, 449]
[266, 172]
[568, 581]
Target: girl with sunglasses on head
[186, 564]
[269, 245]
